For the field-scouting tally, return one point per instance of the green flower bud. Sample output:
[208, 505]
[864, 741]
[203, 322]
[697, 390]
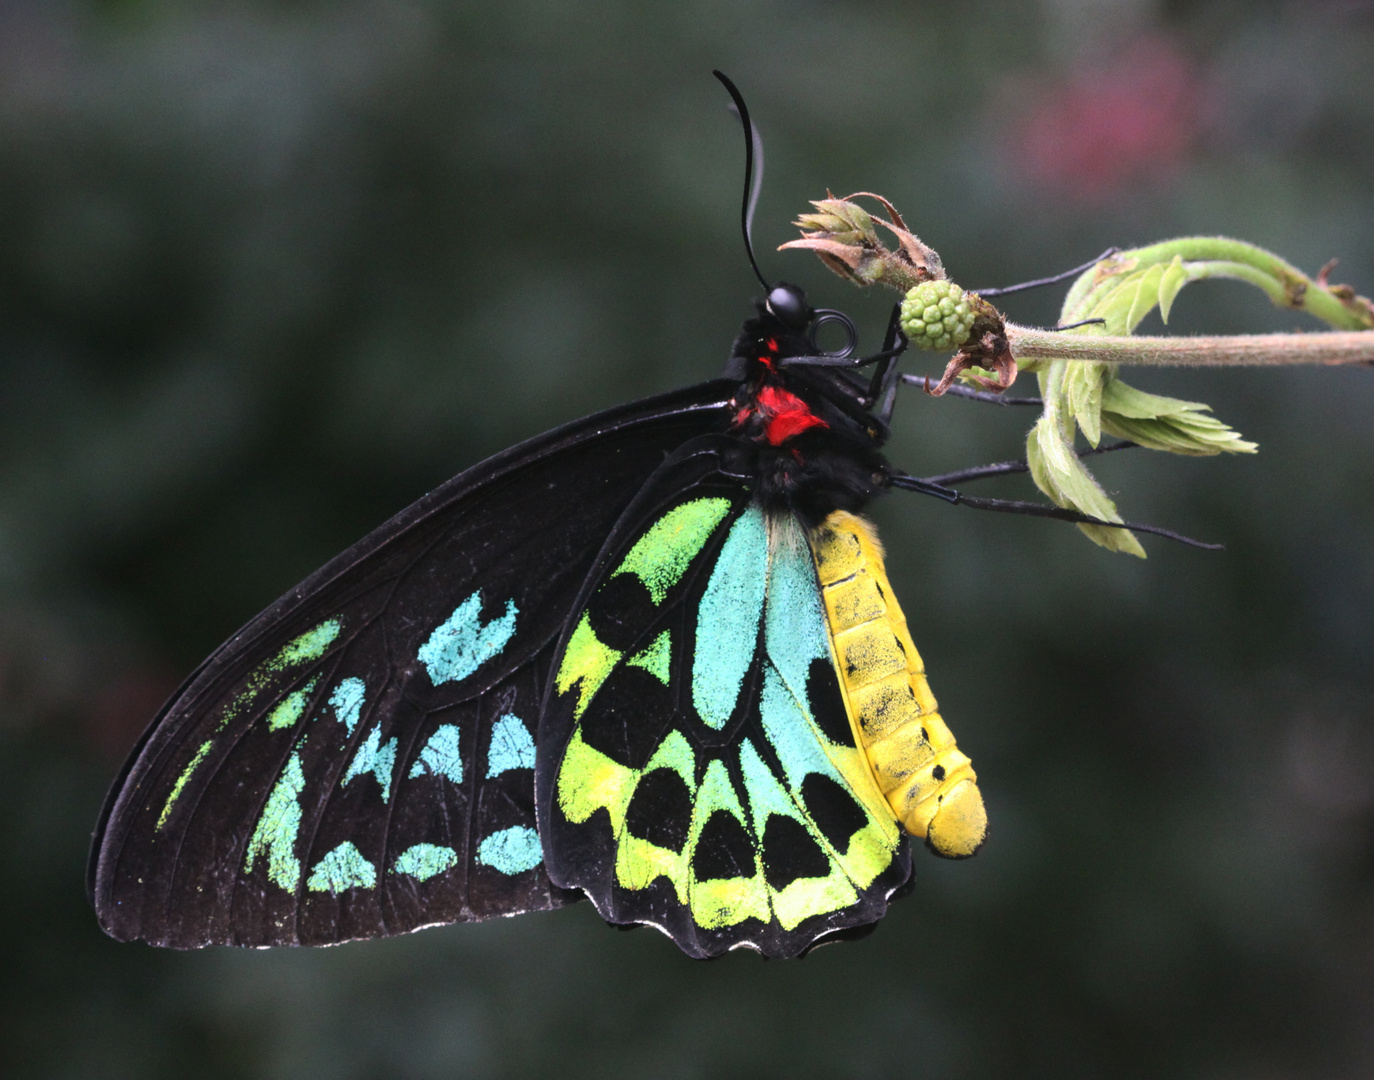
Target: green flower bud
[937, 315]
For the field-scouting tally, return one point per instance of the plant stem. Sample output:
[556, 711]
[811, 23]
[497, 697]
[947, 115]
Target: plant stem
[1240, 350]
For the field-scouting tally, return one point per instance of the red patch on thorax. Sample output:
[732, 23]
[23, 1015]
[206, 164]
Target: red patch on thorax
[785, 415]
[772, 346]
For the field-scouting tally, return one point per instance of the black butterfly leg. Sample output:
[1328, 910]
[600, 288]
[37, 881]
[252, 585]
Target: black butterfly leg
[842, 389]
[956, 390]
[882, 390]
[1023, 286]
[1006, 468]
[1034, 509]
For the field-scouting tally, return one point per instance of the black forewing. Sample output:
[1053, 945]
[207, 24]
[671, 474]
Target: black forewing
[761, 829]
[343, 765]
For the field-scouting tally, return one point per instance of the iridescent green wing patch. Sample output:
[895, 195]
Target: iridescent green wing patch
[359, 759]
[702, 776]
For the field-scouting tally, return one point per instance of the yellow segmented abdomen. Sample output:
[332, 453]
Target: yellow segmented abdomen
[927, 781]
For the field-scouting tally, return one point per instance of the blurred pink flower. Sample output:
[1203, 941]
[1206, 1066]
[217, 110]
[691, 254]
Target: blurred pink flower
[1129, 120]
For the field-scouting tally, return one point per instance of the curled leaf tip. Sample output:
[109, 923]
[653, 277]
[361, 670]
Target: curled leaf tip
[984, 365]
[843, 234]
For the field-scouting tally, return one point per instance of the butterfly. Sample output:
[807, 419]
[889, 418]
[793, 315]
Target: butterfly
[651, 658]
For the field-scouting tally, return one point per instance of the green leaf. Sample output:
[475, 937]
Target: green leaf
[1115, 306]
[1123, 303]
[1192, 434]
[1171, 281]
[1146, 296]
[1060, 474]
[1122, 541]
[1083, 392]
[1162, 423]
[1055, 444]
[1122, 290]
[1128, 401]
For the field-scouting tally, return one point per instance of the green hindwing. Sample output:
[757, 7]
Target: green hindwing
[704, 778]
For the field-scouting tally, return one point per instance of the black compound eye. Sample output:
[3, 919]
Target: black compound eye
[788, 304]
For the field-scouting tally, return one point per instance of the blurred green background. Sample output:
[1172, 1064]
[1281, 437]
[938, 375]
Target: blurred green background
[270, 271]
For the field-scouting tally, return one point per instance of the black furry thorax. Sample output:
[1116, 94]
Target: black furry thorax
[802, 435]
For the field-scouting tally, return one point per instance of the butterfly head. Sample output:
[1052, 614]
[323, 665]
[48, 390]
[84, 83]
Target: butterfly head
[784, 326]
[787, 304]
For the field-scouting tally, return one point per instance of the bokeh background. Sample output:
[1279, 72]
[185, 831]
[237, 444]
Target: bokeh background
[270, 271]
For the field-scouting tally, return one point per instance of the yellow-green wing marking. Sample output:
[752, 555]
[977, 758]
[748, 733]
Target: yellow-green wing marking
[735, 806]
[302, 650]
[659, 559]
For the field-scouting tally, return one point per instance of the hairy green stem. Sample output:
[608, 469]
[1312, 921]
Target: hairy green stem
[1240, 350]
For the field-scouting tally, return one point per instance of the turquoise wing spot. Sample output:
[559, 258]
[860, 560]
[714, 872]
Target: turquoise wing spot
[424, 861]
[511, 851]
[375, 757]
[442, 755]
[462, 644]
[766, 796]
[795, 628]
[343, 868]
[347, 702]
[290, 708]
[728, 619]
[280, 821]
[795, 634]
[790, 731]
[181, 781]
[512, 747]
[661, 556]
[657, 658]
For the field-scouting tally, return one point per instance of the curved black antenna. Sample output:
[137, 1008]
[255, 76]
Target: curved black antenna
[753, 179]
